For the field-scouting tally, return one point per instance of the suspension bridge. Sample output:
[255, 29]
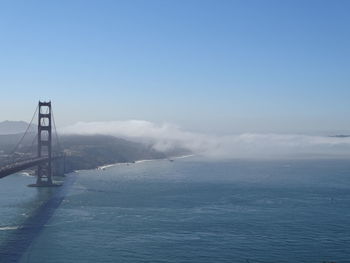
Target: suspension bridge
[45, 156]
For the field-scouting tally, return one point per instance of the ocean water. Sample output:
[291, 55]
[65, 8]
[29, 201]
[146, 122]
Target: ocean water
[189, 210]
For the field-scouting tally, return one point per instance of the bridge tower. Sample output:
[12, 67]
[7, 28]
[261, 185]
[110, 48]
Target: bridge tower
[44, 172]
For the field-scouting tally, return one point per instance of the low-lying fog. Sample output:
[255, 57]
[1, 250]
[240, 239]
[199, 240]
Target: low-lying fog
[166, 136]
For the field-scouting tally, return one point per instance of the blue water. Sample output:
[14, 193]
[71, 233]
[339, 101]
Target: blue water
[189, 210]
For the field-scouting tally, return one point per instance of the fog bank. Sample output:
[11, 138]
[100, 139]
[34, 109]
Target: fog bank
[166, 136]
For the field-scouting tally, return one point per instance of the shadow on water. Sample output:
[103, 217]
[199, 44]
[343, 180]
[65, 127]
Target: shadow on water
[16, 245]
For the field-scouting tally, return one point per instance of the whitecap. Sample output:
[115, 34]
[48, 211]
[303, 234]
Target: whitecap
[5, 228]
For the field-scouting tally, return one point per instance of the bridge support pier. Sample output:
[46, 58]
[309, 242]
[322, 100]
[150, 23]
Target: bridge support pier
[44, 170]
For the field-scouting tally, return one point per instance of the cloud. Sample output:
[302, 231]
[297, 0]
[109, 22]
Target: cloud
[167, 136]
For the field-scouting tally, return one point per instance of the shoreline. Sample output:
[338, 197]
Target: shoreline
[103, 167]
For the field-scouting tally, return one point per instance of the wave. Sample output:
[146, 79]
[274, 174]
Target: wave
[103, 167]
[26, 174]
[6, 228]
[184, 156]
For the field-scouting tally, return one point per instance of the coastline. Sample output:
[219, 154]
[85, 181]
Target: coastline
[103, 167]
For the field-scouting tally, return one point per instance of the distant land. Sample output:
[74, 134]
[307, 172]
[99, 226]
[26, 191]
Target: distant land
[82, 151]
[14, 127]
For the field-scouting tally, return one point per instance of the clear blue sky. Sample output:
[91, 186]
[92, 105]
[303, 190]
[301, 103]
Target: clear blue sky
[215, 66]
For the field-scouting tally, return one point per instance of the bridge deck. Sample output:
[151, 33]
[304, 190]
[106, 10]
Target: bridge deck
[22, 165]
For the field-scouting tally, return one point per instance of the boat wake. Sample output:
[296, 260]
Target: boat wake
[6, 228]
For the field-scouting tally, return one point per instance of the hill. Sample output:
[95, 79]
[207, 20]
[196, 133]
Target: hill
[15, 127]
[86, 151]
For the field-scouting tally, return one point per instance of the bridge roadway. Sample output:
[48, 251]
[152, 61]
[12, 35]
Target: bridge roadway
[22, 165]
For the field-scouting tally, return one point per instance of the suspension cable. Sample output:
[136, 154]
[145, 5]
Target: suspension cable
[33, 143]
[25, 133]
[55, 128]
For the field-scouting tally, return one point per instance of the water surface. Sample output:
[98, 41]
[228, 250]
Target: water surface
[189, 210]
